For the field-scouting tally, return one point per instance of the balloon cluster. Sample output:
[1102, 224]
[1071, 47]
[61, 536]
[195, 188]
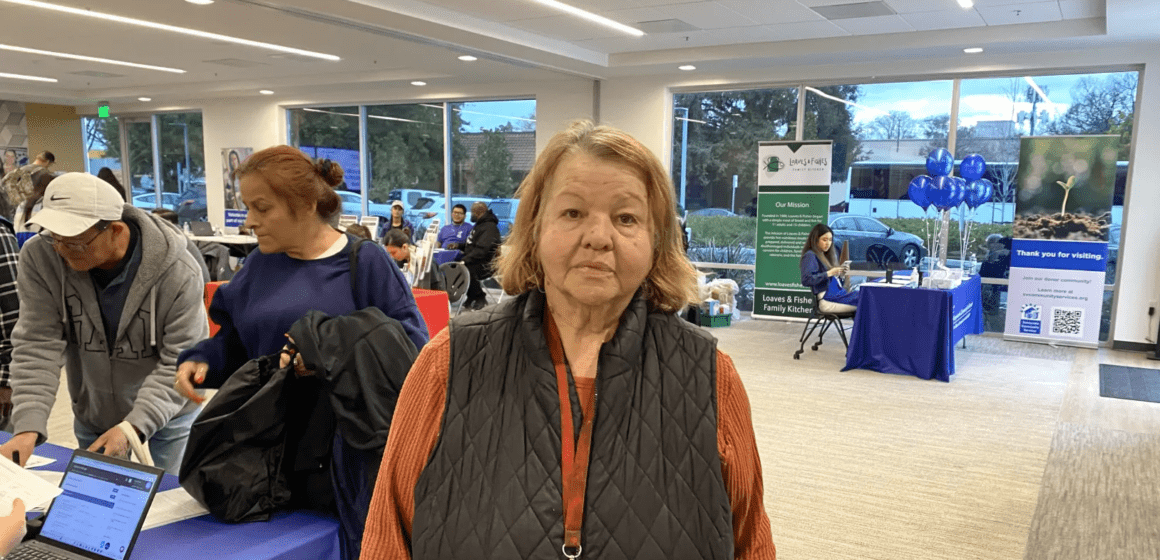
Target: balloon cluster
[944, 191]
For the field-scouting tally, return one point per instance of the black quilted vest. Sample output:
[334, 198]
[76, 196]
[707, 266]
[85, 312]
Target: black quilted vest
[491, 488]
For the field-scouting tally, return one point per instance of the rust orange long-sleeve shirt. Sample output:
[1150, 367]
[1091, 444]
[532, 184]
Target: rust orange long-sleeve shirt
[419, 416]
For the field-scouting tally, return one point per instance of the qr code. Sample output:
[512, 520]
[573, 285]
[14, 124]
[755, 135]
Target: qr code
[1067, 321]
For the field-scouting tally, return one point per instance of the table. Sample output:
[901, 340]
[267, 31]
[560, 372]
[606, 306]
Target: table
[239, 245]
[913, 330]
[286, 536]
[442, 256]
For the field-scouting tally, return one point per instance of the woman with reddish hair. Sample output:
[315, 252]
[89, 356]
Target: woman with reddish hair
[301, 264]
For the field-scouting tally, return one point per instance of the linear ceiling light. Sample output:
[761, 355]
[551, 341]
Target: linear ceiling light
[170, 28]
[591, 17]
[966, 4]
[23, 77]
[1035, 86]
[91, 59]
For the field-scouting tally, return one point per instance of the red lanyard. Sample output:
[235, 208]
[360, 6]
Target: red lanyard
[574, 454]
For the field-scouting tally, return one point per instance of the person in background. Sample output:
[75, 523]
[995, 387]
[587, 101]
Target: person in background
[19, 183]
[111, 294]
[359, 230]
[822, 273]
[12, 527]
[105, 174]
[9, 311]
[479, 251]
[9, 164]
[453, 235]
[399, 246]
[302, 264]
[474, 460]
[31, 205]
[396, 222]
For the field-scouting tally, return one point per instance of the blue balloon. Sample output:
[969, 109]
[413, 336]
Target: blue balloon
[960, 192]
[988, 191]
[941, 193]
[973, 167]
[917, 191]
[940, 163]
[975, 192]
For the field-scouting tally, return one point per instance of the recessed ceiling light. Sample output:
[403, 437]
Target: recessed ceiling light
[144, 99]
[687, 67]
[23, 77]
[200, 2]
[91, 59]
[418, 83]
[592, 17]
[468, 58]
[964, 3]
[973, 50]
[266, 91]
[170, 28]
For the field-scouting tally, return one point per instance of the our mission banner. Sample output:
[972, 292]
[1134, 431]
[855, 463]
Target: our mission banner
[793, 184]
[1059, 253]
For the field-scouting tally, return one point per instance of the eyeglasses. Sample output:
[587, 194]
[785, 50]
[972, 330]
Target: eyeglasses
[73, 246]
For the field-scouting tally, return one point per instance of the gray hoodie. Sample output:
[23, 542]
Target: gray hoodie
[164, 313]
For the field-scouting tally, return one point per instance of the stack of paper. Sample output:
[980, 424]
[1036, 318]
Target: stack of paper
[23, 484]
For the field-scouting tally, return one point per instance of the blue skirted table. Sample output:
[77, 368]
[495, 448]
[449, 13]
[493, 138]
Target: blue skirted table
[913, 331]
[286, 536]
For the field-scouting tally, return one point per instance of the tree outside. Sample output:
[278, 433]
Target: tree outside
[493, 162]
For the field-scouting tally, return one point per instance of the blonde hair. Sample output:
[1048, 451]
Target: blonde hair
[671, 283]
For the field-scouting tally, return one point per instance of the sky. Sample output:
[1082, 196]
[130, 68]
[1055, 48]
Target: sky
[493, 114]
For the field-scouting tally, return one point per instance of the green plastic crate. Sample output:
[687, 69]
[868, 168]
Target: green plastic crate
[716, 320]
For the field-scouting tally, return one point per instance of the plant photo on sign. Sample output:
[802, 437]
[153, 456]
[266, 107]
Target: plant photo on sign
[1051, 171]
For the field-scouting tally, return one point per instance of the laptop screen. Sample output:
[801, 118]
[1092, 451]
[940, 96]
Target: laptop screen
[201, 229]
[102, 506]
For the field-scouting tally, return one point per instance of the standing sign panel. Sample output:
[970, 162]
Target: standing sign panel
[235, 210]
[793, 185]
[1059, 252]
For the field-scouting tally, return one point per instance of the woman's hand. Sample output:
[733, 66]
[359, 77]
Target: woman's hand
[12, 527]
[290, 352]
[188, 375]
[836, 271]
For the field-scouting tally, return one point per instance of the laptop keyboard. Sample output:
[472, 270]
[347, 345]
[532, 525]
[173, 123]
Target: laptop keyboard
[35, 550]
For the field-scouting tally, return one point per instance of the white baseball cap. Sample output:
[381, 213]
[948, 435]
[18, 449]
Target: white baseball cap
[398, 203]
[75, 202]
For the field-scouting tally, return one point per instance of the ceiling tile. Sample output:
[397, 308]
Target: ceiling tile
[771, 12]
[914, 6]
[707, 15]
[816, 3]
[735, 35]
[498, 10]
[1037, 12]
[605, 5]
[565, 28]
[949, 19]
[633, 15]
[805, 30]
[874, 25]
[647, 43]
[1079, 9]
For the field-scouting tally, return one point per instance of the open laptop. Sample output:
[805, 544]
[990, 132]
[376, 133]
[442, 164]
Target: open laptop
[201, 229]
[99, 513]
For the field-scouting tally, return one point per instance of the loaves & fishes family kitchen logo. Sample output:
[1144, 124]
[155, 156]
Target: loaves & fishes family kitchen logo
[773, 164]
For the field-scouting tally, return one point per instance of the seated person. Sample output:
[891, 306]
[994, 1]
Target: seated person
[822, 273]
[453, 235]
[359, 230]
[398, 244]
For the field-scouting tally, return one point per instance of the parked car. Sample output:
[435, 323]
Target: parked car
[712, 212]
[1113, 253]
[873, 241]
[410, 197]
[505, 210]
[192, 204]
[352, 204]
[148, 201]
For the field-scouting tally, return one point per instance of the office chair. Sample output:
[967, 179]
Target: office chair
[825, 321]
[455, 280]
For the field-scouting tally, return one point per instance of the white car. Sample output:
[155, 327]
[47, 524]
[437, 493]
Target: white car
[352, 204]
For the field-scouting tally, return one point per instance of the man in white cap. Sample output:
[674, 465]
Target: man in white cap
[112, 294]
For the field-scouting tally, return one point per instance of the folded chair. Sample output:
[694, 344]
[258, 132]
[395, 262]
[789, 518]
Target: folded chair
[825, 321]
[455, 280]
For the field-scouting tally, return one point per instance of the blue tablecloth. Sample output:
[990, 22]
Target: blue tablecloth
[286, 536]
[913, 331]
[445, 256]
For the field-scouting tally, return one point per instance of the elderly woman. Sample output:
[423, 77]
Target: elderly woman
[301, 264]
[822, 272]
[582, 416]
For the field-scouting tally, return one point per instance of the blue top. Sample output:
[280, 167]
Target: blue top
[257, 307]
[452, 233]
[814, 277]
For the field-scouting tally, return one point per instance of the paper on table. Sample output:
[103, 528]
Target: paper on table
[172, 506]
[20, 483]
[38, 461]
